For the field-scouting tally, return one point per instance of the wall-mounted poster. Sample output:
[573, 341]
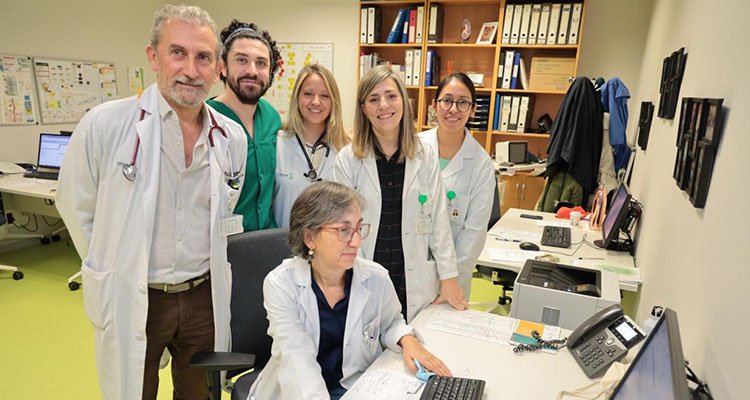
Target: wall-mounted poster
[67, 89]
[17, 91]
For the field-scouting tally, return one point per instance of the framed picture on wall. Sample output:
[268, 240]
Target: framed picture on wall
[705, 164]
[713, 122]
[644, 123]
[699, 109]
[687, 108]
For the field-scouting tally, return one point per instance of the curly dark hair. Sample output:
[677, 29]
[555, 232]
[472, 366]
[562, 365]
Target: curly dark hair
[238, 29]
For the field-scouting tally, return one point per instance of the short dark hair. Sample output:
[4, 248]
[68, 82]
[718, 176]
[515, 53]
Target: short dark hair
[243, 30]
[319, 204]
[461, 77]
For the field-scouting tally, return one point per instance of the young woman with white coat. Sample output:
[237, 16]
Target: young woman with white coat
[466, 168]
[330, 312]
[307, 146]
[400, 180]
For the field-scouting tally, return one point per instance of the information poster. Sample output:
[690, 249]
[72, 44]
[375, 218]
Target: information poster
[67, 89]
[294, 57]
[17, 91]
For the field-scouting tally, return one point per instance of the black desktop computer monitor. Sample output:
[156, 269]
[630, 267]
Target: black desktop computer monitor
[614, 221]
[658, 370]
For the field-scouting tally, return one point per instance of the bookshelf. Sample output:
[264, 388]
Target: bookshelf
[457, 55]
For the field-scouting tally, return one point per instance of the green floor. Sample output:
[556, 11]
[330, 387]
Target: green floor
[47, 343]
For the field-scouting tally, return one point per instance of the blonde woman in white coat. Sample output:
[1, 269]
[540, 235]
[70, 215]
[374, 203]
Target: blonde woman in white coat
[307, 146]
[466, 168]
[330, 313]
[400, 180]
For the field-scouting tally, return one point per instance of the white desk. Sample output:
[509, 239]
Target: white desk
[34, 196]
[507, 375]
[512, 220]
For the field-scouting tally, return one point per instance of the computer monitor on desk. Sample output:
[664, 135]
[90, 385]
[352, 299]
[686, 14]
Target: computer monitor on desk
[615, 220]
[658, 370]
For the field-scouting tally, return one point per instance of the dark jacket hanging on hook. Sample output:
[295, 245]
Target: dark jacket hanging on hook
[576, 138]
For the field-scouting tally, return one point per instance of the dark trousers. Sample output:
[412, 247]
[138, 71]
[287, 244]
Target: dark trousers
[183, 323]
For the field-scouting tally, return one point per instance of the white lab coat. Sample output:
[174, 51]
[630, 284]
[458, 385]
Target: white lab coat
[110, 220]
[291, 164]
[428, 257]
[373, 322]
[470, 175]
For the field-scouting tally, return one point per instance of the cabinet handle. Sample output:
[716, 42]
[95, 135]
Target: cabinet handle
[517, 191]
[523, 191]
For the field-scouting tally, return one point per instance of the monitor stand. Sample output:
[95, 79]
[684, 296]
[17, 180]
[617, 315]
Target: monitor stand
[625, 245]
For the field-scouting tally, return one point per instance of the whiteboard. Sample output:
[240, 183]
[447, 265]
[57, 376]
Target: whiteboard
[67, 89]
[17, 91]
[294, 57]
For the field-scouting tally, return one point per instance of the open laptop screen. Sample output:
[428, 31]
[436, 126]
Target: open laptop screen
[51, 150]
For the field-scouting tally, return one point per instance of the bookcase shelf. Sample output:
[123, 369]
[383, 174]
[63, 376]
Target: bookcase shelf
[456, 54]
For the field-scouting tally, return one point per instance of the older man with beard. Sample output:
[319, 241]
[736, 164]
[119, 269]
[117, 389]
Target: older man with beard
[251, 59]
[146, 184]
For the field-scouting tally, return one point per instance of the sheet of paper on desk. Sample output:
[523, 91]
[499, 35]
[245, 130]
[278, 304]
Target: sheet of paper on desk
[514, 235]
[471, 323]
[518, 256]
[380, 383]
[626, 274]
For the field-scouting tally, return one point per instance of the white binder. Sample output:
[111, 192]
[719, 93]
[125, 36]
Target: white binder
[523, 35]
[363, 25]
[420, 24]
[562, 36]
[371, 25]
[507, 23]
[554, 20]
[513, 119]
[505, 113]
[508, 69]
[523, 114]
[416, 73]
[516, 29]
[541, 37]
[575, 23]
[536, 11]
[409, 62]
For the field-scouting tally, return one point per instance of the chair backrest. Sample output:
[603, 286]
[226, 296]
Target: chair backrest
[495, 214]
[253, 255]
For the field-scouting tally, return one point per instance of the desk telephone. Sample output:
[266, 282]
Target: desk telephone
[603, 339]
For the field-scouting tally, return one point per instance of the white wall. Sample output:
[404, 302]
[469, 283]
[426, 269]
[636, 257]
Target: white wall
[695, 261]
[692, 260]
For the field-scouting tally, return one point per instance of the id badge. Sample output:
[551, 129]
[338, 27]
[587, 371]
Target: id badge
[454, 213]
[230, 225]
[424, 224]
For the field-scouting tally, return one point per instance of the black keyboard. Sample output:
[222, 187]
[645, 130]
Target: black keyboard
[556, 236]
[42, 175]
[452, 388]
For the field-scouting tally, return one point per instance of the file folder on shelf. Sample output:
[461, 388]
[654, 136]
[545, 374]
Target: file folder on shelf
[575, 23]
[562, 37]
[536, 11]
[523, 36]
[554, 21]
[516, 27]
[507, 23]
[541, 36]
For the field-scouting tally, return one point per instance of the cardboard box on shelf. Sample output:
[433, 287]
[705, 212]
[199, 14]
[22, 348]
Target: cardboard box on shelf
[551, 73]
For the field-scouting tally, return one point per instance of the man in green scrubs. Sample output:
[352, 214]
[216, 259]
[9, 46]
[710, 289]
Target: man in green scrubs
[251, 60]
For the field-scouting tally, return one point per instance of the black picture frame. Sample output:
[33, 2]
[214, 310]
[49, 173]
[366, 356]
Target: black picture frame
[705, 158]
[673, 69]
[712, 133]
[644, 123]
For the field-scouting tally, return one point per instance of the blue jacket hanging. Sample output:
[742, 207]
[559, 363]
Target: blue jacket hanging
[615, 95]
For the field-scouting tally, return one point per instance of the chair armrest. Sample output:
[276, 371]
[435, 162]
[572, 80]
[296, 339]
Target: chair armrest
[222, 361]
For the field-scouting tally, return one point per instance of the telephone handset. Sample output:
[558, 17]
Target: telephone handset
[603, 339]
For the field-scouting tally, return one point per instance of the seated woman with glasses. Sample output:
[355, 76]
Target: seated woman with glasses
[330, 313]
[467, 171]
[400, 180]
[307, 146]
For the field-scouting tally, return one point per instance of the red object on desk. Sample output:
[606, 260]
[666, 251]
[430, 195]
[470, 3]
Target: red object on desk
[564, 212]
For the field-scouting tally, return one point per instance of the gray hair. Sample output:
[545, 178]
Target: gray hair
[321, 203]
[192, 15]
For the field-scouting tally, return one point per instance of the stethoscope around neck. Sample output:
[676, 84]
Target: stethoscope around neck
[232, 178]
[312, 174]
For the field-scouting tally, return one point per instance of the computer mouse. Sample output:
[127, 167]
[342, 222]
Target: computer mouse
[529, 246]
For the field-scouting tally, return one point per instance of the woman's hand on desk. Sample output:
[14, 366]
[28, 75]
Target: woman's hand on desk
[414, 350]
[451, 292]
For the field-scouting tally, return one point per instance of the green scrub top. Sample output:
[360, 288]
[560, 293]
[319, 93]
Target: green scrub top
[256, 198]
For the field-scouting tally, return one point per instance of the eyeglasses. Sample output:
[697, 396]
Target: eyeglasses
[346, 232]
[461, 105]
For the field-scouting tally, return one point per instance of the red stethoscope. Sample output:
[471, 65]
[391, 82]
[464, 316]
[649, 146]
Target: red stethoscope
[232, 178]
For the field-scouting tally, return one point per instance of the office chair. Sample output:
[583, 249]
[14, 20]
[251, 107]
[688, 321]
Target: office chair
[252, 255]
[5, 234]
[500, 277]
